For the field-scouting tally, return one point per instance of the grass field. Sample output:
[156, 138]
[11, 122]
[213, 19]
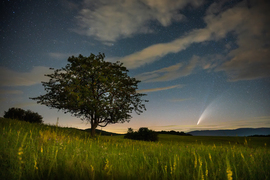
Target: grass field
[34, 151]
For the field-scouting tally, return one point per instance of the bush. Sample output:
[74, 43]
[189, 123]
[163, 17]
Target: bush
[143, 134]
[20, 114]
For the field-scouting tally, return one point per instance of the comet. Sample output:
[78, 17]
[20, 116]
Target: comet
[207, 111]
[214, 109]
[199, 120]
[201, 117]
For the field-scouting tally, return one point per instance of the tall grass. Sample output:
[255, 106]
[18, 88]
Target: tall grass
[33, 151]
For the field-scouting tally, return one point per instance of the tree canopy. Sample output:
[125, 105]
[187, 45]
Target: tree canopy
[20, 114]
[95, 90]
[143, 133]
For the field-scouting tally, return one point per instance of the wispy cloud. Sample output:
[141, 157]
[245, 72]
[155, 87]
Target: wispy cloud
[169, 73]
[250, 25]
[159, 89]
[13, 78]
[211, 61]
[157, 51]
[110, 20]
[251, 59]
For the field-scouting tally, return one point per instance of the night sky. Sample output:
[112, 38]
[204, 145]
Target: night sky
[199, 61]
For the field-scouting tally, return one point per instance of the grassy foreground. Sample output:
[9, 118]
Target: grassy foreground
[33, 151]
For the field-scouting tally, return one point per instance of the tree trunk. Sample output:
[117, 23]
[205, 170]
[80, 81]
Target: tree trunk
[93, 128]
[93, 131]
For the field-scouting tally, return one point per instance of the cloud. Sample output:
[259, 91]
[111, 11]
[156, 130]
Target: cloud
[110, 20]
[248, 65]
[157, 51]
[159, 89]
[249, 23]
[211, 61]
[169, 73]
[217, 27]
[251, 60]
[13, 78]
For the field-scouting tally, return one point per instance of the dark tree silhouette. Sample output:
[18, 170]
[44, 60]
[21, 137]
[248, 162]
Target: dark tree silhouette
[143, 133]
[94, 90]
[32, 117]
[20, 114]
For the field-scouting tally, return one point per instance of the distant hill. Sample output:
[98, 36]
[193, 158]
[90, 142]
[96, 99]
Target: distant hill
[235, 132]
[101, 132]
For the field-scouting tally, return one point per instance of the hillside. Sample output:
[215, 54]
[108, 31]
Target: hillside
[103, 133]
[38, 151]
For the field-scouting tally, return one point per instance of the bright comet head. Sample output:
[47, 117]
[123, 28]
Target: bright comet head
[199, 120]
[201, 117]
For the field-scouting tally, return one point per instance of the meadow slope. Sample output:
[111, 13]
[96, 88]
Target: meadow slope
[36, 151]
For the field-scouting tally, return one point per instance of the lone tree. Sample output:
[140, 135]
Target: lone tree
[94, 90]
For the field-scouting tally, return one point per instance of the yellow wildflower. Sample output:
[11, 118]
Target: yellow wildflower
[35, 166]
[228, 170]
[20, 152]
[242, 156]
[92, 168]
[229, 173]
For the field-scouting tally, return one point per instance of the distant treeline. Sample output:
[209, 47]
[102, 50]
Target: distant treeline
[256, 135]
[174, 133]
